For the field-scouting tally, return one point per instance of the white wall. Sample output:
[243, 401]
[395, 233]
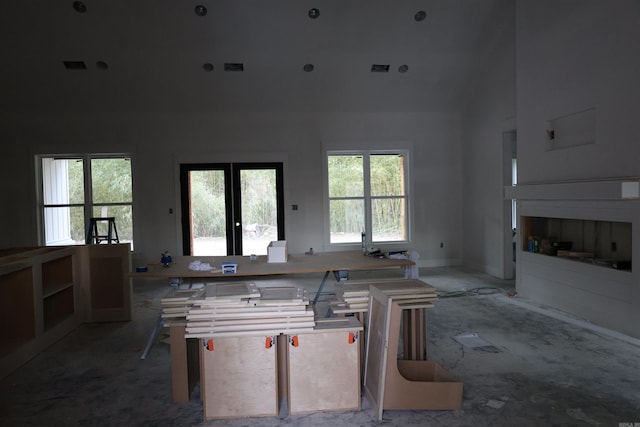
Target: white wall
[574, 55]
[490, 111]
[158, 142]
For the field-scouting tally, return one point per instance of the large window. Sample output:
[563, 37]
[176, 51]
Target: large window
[76, 188]
[367, 194]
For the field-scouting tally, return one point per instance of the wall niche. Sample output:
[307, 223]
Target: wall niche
[603, 243]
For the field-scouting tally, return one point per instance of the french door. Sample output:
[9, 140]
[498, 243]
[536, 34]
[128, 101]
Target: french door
[231, 208]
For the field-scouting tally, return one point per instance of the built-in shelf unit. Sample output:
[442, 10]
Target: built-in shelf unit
[38, 301]
[45, 292]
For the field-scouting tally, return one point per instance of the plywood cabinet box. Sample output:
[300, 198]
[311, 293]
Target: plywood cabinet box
[105, 285]
[324, 367]
[45, 292]
[238, 377]
[316, 371]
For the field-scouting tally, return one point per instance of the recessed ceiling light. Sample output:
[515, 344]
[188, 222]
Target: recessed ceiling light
[314, 13]
[380, 68]
[102, 65]
[75, 65]
[308, 68]
[420, 15]
[233, 66]
[403, 68]
[79, 7]
[207, 66]
[200, 10]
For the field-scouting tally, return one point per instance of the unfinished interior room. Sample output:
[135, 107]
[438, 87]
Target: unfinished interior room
[312, 213]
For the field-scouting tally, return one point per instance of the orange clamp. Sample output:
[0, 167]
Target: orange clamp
[294, 340]
[268, 342]
[353, 336]
[208, 344]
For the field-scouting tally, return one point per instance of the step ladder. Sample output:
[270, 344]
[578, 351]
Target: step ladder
[93, 237]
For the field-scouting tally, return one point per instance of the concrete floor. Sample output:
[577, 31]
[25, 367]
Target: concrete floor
[539, 368]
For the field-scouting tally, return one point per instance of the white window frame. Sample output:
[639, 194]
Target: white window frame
[366, 154]
[88, 204]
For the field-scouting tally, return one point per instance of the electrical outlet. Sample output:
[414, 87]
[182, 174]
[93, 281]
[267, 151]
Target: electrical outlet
[441, 244]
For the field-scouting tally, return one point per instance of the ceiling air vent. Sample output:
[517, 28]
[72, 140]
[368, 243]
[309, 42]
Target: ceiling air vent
[420, 15]
[380, 68]
[75, 65]
[233, 66]
[79, 7]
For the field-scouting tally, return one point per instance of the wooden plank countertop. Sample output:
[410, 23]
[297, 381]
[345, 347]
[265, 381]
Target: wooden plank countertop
[296, 263]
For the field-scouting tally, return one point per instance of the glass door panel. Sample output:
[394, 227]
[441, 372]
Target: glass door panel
[208, 212]
[259, 210]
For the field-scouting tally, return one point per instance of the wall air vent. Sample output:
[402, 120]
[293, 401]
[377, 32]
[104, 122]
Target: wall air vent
[75, 65]
[233, 66]
[380, 68]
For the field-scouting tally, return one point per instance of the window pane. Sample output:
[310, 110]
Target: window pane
[347, 220]
[62, 181]
[111, 180]
[123, 219]
[387, 174]
[64, 226]
[388, 220]
[346, 176]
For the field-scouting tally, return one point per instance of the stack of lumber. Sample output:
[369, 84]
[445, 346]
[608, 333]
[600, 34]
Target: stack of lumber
[176, 305]
[243, 309]
[353, 296]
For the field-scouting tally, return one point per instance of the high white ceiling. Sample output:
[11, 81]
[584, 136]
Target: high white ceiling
[155, 50]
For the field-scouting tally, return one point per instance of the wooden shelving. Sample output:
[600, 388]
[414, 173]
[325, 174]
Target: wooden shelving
[46, 292]
[37, 301]
[57, 275]
[58, 307]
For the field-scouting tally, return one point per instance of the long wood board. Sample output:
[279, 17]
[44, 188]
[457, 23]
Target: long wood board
[296, 263]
